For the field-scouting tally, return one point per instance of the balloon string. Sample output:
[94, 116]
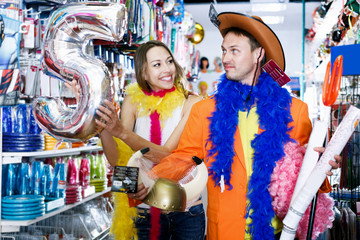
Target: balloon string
[351, 32]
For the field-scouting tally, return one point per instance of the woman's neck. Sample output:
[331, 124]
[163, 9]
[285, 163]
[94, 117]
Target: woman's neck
[159, 93]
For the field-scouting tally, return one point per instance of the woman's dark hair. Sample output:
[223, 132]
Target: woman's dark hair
[201, 62]
[140, 62]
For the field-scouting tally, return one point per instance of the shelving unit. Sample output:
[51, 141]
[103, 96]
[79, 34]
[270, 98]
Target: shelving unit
[16, 157]
[14, 226]
[7, 226]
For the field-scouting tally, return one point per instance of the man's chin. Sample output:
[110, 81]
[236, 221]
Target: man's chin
[229, 77]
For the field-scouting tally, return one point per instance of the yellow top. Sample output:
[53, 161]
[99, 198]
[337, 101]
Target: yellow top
[248, 127]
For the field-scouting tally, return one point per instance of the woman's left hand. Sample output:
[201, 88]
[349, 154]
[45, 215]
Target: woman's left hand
[334, 163]
[109, 115]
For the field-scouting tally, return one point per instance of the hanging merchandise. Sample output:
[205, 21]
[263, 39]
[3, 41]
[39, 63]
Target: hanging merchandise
[159, 3]
[9, 50]
[10, 43]
[177, 13]
[188, 25]
[354, 5]
[159, 24]
[168, 6]
[144, 22]
[193, 74]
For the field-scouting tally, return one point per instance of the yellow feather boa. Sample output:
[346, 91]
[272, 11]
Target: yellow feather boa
[122, 227]
[164, 106]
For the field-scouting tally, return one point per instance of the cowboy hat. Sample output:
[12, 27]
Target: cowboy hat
[258, 29]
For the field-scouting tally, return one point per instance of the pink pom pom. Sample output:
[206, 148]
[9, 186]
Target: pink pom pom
[282, 186]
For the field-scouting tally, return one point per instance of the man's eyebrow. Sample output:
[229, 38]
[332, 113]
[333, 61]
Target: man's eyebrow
[232, 46]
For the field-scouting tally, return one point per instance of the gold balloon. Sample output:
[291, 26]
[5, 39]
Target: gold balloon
[198, 35]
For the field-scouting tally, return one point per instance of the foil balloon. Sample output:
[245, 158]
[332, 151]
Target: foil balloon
[198, 36]
[70, 29]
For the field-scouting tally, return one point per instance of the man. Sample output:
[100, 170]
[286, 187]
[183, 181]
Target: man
[241, 132]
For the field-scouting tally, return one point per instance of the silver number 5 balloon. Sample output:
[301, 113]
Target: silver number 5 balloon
[69, 31]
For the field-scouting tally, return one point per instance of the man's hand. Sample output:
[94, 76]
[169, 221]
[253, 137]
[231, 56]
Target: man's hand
[334, 163]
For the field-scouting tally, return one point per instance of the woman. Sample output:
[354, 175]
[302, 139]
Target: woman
[153, 114]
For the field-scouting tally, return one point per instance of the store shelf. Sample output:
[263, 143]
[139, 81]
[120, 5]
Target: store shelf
[16, 157]
[13, 226]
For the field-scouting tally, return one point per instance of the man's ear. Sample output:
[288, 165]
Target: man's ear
[259, 54]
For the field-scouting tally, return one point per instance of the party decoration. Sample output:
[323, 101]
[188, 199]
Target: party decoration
[188, 25]
[198, 35]
[168, 6]
[70, 28]
[177, 12]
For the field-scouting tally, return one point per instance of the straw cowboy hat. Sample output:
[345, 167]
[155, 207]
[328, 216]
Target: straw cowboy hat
[258, 29]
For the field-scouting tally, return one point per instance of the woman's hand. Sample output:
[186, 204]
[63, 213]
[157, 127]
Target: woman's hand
[141, 193]
[334, 163]
[110, 117]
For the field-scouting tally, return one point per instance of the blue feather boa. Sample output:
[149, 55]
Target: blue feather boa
[273, 109]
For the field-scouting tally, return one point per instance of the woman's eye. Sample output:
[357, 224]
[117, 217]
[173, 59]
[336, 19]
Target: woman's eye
[171, 61]
[156, 64]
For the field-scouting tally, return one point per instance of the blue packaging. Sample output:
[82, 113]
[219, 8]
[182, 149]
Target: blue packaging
[23, 179]
[21, 121]
[11, 180]
[33, 126]
[36, 174]
[46, 181]
[7, 120]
